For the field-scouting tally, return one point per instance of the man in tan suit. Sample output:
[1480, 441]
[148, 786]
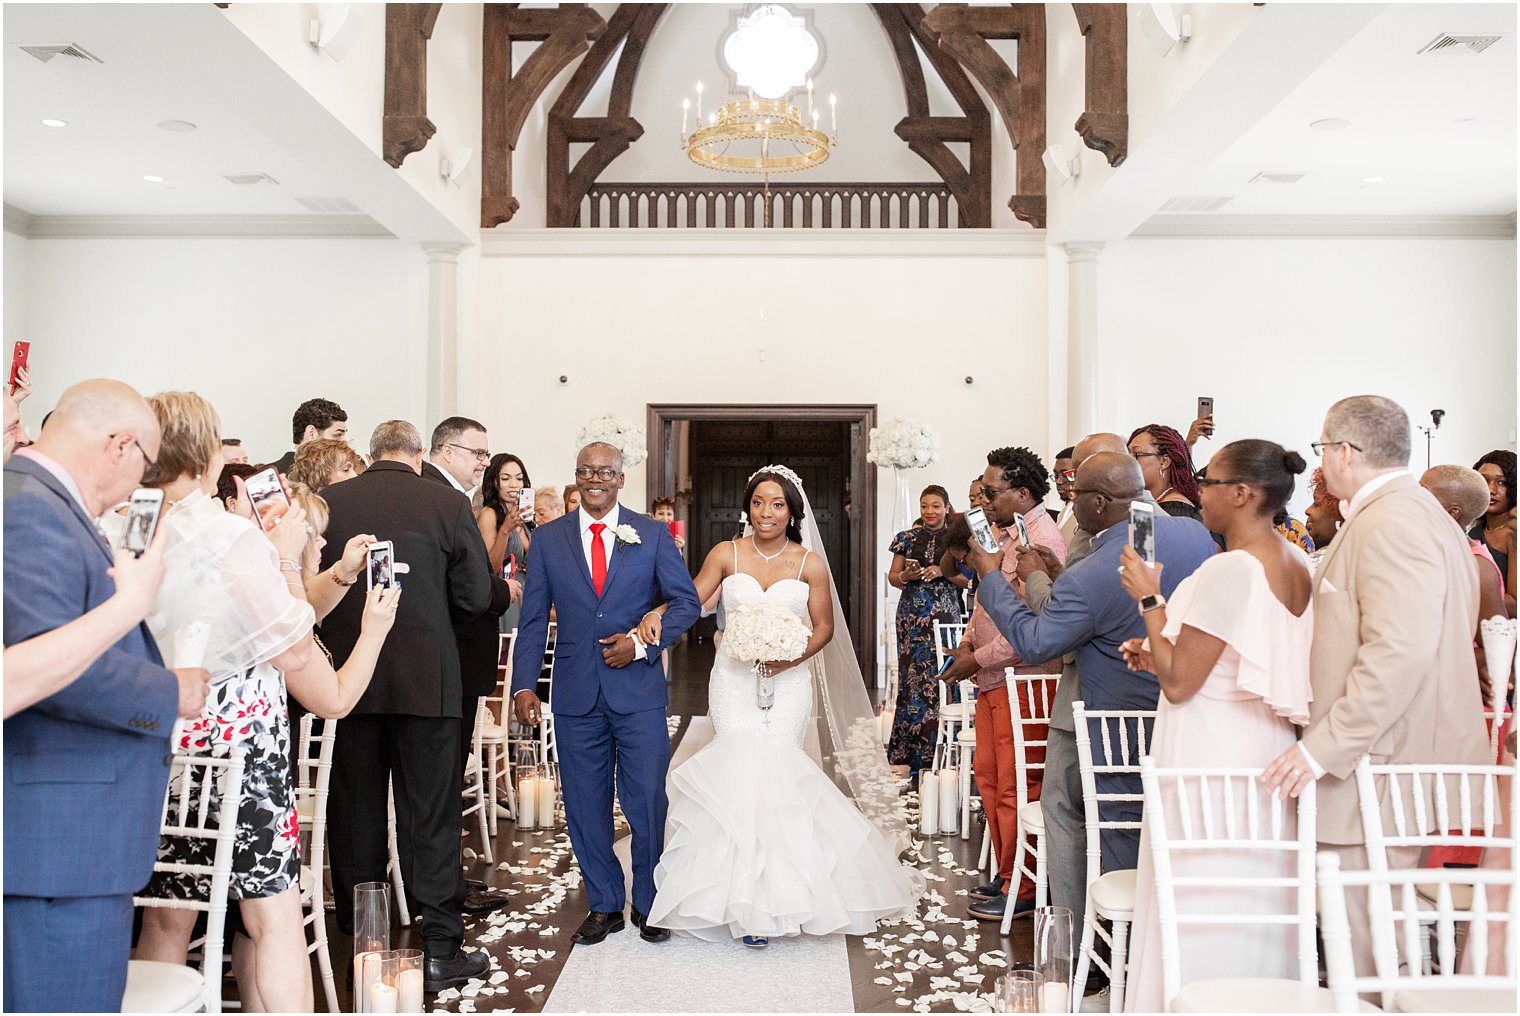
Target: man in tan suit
[1395, 608]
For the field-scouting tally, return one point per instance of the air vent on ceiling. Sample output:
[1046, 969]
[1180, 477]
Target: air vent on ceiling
[329, 206]
[68, 49]
[1267, 176]
[1445, 43]
[1199, 204]
[249, 179]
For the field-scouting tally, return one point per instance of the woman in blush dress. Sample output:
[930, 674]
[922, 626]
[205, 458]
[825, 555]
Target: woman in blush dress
[1231, 652]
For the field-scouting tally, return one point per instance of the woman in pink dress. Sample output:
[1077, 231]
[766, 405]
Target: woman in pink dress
[1231, 653]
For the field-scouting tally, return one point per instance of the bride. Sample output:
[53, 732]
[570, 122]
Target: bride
[760, 841]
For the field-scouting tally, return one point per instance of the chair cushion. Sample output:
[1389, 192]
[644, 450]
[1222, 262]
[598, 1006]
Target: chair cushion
[1114, 894]
[955, 711]
[1455, 1000]
[492, 732]
[1031, 818]
[966, 735]
[1255, 994]
[162, 987]
[306, 807]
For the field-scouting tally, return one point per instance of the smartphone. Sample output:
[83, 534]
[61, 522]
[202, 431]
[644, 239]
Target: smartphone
[381, 566]
[1205, 407]
[1142, 530]
[678, 528]
[1023, 531]
[525, 504]
[269, 501]
[981, 530]
[143, 512]
[946, 665]
[19, 353]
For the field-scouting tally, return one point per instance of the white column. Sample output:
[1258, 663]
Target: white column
[1082, 338]
[442, 330]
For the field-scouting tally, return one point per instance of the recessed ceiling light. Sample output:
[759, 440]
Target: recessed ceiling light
[1334, 123]
[51, 122]
[1373, 179]
[150, 178]
[178, 126]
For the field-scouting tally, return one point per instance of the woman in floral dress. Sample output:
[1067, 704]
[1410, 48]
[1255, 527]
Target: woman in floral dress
[927, 596]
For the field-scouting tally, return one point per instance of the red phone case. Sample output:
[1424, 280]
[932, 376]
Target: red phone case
[19, 354]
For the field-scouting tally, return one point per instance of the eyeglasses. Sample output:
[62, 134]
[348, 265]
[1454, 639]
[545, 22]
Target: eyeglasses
[1320, 446]
[150, 470]
[480, 453]
[1064, 475]
[992, 495]
[604, 473]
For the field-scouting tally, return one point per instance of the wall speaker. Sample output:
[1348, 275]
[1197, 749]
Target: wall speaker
[336, 31]
[453, 170]
[1058, 166]
[1163, 28]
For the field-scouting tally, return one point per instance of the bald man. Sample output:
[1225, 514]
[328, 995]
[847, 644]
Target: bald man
[85, 768]
[1463, 493]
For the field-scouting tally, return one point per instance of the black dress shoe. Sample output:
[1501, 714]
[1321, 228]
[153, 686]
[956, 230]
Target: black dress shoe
[439, 974]
[992, 909]
[597, 926]
[988, 891]
[483, 900]
[647, 931]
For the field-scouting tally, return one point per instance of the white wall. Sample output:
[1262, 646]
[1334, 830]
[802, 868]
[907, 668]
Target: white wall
[898, 332]
[17, 249]
[1276, 330]
[256, 326]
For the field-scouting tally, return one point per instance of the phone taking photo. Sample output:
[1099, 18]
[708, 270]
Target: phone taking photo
[1142, 530]
[981, 530]
[143, 513]
[20, 352]
[380, 565]
[268, 498]
[525, 504]
[1023, 531]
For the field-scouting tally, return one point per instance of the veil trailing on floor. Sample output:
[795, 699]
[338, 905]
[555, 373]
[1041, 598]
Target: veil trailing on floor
[843, 738]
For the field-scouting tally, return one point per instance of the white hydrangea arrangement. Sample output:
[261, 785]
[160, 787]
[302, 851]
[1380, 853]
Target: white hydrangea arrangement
[903, 444]
[763, 631]
[626, 437]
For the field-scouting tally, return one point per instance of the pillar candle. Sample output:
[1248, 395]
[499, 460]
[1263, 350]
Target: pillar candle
[949, 799]
[1053, 997]
[382, 997]
[545, 802]
[409, 990]
[928, 803]
[527, 802]
[369, 976]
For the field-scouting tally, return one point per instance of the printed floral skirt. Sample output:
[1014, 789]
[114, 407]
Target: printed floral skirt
[916, 722]
[248, 712]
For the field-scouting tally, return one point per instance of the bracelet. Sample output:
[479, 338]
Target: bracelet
[333, 574]
[286, 564]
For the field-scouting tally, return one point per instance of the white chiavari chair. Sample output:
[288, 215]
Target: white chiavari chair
[1228, 854]
[1123, 736]
[201, 805]
[1431, 805]
[491, 731]
[1039, 691]
[398, 884]
[314, 778]
[1409, 988]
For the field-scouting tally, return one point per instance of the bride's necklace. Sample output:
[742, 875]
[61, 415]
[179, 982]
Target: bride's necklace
[768, 557]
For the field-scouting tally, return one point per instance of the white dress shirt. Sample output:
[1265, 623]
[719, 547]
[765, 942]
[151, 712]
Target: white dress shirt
[609, 544]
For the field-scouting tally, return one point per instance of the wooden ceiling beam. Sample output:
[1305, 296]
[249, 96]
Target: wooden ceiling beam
[406, 128]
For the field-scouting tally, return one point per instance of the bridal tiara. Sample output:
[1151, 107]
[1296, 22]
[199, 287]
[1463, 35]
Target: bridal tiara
[785, 471]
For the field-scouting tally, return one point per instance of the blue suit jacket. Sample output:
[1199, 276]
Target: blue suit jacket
[640, 577]
[85, 769]
[1090, 613]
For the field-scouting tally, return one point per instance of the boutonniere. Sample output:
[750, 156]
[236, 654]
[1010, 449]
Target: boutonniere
[626, 534]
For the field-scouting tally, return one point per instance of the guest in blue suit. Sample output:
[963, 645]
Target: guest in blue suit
[85, 768]
[602, 568]
[1090, 614]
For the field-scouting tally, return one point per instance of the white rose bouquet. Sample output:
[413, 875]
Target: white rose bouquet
[625, 436]
[763, 631]
[903, 444]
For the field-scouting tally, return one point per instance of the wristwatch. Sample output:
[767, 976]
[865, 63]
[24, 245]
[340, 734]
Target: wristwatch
[1151, 602]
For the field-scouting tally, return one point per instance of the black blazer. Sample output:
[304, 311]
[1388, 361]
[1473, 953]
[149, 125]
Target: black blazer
[435, 536]
[478, 637]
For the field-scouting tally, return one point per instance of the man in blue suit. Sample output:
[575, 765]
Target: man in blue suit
[1089, 613]
[602, 568]
[85, 769]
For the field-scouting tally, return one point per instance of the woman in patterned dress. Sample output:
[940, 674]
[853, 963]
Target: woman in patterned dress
[220, 570]
[927, 596]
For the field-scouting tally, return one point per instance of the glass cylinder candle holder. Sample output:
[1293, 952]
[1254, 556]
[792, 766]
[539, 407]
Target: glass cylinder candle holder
[372, 937]
[1015, 992]
[548, 794]
[528, 783]
[950, 790]
[401, 969]
[1052, 957]
[928, 802]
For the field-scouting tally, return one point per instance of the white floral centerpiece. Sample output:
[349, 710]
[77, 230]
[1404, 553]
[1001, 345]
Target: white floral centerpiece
[763, 631]
[625, 436]
[903, 444]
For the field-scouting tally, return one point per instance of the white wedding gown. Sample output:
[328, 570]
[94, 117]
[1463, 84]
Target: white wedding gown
[759, 841]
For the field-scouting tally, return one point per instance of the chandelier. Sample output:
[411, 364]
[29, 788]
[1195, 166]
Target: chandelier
[770, 50]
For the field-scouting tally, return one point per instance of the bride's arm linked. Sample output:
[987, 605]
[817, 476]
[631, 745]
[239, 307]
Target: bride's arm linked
[820, 612]
[714, 571]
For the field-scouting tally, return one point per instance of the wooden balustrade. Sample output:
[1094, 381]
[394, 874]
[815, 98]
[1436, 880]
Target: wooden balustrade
[805, 206]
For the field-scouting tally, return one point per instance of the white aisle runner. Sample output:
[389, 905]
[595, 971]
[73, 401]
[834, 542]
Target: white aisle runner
[626, 974]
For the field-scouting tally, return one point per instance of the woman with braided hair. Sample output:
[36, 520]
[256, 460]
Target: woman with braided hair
[1168, 469]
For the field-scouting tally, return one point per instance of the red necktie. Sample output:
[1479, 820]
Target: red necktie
[598, 557]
